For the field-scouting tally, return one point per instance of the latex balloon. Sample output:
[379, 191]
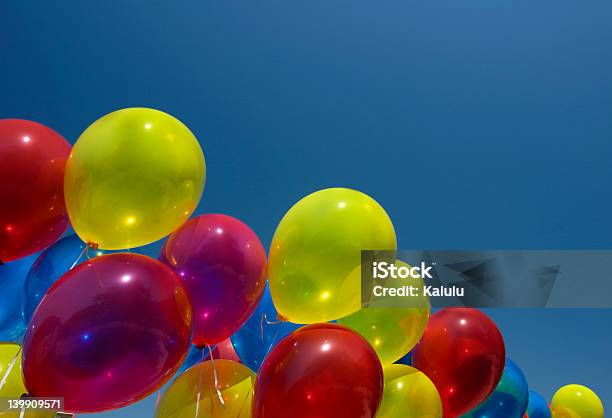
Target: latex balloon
[50, 266]
[538, 407]
[409, 394]
[392, 331]
[223, 350]
[110, 332]
[235, 382]
[32, 162]
[222, 264]
[315, 255]
[323, 371]
[463, 354]
[12, 279]
[508, 400]
[262, 331]
[576, 401]
[13, 387]
[133, 177]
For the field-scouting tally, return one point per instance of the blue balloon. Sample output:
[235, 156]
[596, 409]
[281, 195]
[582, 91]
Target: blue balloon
[508, 400]
[538, 407]
[194, 356]
[12, 278]
[254, 340]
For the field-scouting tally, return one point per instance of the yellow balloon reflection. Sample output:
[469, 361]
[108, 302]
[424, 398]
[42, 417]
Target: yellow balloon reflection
[409, 394]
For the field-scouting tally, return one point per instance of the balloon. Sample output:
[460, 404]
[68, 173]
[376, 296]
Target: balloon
[537, 408]
[315, 255]
[409, 394]
[576, 401]
[133, 177]
[508, 400]
[222, 264]
[235, 382]
[463, 354]
[50, 266]
[323, 371]
[223, 350]
[32, 162]
[392, 331]
[13, 386]
[12, 278]
[254, 340]
[110, 332]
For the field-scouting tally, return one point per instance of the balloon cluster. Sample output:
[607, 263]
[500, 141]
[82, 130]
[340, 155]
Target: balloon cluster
[245, 333]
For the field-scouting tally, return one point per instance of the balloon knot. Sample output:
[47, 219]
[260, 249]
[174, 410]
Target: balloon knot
[93, 245]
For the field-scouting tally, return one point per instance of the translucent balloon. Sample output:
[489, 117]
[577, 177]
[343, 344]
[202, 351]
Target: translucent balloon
[315, 255]
[538, 407]
[133, 177]
[576, 401]
[13, 386]
[409, 394]
[12, 278]
[235, 383]
[392, 331]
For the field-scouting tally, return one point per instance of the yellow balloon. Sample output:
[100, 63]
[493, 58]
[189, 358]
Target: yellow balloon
[393, 331]
[13, 387]
[235, 381]
[576, 401]
[133, 177]
[315, 255]
[409, 394]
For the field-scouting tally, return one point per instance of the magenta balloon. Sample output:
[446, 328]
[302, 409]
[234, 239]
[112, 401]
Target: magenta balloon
[108, 333]
[222, 264]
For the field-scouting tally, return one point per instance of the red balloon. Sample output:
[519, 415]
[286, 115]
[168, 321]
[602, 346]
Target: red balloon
[222, 264]
[108, 333]
[463, 354]
[322, 371]
[32, 212]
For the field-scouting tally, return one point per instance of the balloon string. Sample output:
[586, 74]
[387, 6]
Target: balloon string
[212, 361]
[158, 399]
[197, 409]
[79, 257]
[9, 368]
[245, 400]
[22, 413]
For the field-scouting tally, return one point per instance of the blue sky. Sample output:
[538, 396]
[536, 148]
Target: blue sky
[477, 125]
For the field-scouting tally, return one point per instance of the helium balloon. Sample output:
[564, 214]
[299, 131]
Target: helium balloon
[409, 394]
[13, 387]
[50, 266]
[315, 255]
[508, 400]
[576, 401]
[254, 340]
[392, 331]
[133, 177]
[12, 278]
[32, 162]
[538, 407]
[110, 332]
[223, 350]
[463, 354]
[234, 382]
[222, 264]
[323, 371]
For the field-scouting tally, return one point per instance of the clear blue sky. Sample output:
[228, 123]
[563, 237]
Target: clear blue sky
[481, 124]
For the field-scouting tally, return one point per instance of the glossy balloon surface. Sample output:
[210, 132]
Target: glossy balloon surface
[262, 331]
[32, 162]
[133, 177]
[235, 382]
[323, 371]
[108, 333]
[392, 331]
[508, 400]
[315, 254]
[538, 407]
[12, 278]
[576, 401]
[463, 353]
[222, 264]
[409, 394]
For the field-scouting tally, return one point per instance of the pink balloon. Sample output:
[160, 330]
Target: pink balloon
[108, 333]
[222, 265]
